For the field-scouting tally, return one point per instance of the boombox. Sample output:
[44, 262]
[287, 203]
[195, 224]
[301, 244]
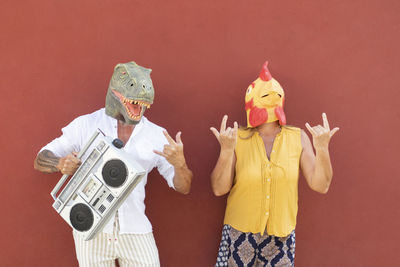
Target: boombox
[104, 180]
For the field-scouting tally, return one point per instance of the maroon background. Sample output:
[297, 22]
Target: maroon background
[338, 57]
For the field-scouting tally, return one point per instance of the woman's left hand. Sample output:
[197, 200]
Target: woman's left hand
[321, 134]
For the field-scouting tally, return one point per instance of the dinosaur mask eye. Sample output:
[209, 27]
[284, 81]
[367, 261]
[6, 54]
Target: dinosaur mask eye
[122, 76]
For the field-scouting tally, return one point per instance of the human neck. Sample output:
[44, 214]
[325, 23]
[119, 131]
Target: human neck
[125, 131]
[269, 129]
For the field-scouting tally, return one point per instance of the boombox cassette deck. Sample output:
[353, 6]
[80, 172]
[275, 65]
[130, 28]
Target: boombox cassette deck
[104, 180]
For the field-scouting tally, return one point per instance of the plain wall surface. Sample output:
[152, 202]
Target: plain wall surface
[338, 57]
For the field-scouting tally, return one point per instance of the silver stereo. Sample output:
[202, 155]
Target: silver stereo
[98, 188]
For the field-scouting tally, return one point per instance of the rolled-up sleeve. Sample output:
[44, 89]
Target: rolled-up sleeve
[163, 166]
[166, 170]
[68, 142]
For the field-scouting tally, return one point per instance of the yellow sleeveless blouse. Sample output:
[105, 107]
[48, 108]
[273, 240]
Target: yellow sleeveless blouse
[265, 192]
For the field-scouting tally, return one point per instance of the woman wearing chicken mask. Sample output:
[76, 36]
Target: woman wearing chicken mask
[259, 167]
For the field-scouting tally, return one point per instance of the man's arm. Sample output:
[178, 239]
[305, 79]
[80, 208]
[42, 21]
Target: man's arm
[182, 179]
[173, 153]
[47, 162]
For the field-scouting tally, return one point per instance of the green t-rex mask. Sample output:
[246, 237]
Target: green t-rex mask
[130, 92]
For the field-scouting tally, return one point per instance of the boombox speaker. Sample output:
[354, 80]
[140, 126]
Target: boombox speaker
[98, 188]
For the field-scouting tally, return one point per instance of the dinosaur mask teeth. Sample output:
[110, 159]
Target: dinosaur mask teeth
[136, 102]
[134, 108]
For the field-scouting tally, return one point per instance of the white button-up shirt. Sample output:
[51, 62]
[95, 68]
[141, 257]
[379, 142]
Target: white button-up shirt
[145, 138]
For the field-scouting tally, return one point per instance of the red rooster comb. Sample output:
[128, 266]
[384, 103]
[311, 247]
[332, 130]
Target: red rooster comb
[264, 74]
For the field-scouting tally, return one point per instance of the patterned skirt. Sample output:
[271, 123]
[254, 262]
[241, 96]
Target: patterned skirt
[250, 250]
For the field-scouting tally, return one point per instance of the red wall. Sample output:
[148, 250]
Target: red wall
[338, 57]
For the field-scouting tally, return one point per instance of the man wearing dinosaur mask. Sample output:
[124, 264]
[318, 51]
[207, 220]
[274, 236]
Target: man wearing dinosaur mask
[259, 167]
[128, 236]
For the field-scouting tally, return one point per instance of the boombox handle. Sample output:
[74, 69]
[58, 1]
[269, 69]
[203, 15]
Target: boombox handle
[65, 176]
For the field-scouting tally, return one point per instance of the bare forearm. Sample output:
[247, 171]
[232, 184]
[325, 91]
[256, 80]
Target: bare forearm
[322, 175]
[183, 179]
[222, 175]
[317, 168]
[46, 162]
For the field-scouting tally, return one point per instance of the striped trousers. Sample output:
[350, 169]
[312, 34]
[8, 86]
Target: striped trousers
[133, 250]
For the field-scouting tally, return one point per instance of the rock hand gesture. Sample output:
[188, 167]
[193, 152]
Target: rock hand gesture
[226, 136]
[222, 175]
[317, 168]
[173, 153]
[321, 134]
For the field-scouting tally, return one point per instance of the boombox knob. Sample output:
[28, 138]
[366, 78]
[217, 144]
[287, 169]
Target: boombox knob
[118, 143]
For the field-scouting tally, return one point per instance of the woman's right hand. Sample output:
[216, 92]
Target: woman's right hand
[226, 136]
[224, 170]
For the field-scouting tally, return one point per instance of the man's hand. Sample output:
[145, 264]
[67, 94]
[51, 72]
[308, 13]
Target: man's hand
[173, 151]
[226, 136]
[321, 134]
[69, 164]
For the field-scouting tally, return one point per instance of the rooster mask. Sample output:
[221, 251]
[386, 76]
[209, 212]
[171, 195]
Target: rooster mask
[264, 100]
